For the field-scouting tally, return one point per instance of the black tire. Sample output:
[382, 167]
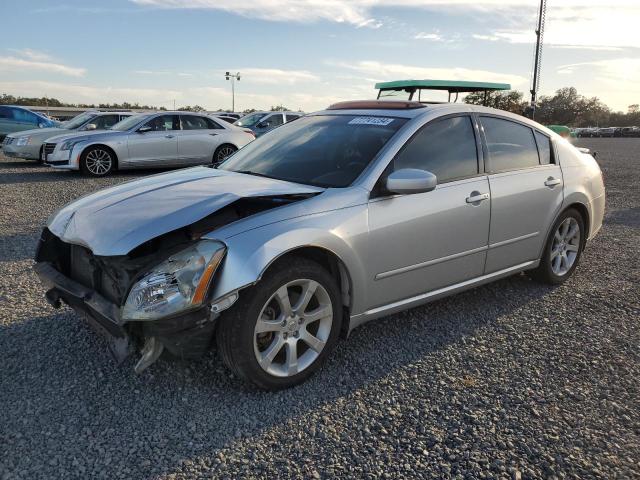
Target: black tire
[545, 271]
[107, 160]
[40, 155]
[236, 328]
[222, 152]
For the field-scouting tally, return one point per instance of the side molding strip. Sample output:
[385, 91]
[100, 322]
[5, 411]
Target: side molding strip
[357, 320]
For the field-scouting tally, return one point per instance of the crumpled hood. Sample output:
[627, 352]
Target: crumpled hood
[116, 220]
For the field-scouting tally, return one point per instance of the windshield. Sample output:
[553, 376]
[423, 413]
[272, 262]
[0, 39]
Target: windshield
[129, 122]
[250, 120]
[322, 150]
[79, 120]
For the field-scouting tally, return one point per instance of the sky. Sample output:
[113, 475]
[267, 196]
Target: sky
[307, 54]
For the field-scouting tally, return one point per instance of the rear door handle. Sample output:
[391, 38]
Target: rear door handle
[552, 182]
[168, 136]
[477, 197]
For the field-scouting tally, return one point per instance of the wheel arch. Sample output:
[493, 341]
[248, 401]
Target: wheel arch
[224, 144]
[102, 145]
[575, 204]
[327, 259]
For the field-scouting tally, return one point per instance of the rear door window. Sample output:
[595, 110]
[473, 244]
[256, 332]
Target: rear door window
[447, 148]
[193, 122]
[290, 118]
[511, 145]
[164, 123]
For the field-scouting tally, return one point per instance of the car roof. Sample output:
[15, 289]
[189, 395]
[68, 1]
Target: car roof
[431, 109]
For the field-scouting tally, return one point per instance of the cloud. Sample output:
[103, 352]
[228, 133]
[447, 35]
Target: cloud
[150, 72]
[386, 71]
[14, 63]
[616, 81]
[31, 54]
[275, 76]
[436, 37]
[569, 22]
[593, 25]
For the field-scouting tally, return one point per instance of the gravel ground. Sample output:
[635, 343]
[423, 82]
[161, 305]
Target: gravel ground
[511, 380]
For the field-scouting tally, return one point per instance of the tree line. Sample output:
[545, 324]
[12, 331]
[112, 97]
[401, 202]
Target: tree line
[565, 107]
[6, 99]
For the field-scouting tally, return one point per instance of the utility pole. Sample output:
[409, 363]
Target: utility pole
[537, 60]
[233, 78]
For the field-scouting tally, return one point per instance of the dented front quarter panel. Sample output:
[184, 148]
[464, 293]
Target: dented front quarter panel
[335, 221]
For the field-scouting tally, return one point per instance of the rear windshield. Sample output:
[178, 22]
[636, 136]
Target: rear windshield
[322, 150]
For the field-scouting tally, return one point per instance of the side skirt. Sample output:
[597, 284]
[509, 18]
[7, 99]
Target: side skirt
[357, 320]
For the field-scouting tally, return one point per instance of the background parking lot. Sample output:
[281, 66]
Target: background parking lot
[513, 379]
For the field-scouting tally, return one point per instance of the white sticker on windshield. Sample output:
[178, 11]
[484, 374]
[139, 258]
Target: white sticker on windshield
[381, 121]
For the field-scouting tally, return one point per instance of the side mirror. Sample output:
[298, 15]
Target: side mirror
[144, 128]
[90, 126]
[411, 180]
[264, 124]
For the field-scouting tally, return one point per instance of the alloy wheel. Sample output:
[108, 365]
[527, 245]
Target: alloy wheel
[224, 152]
[565, 246]
[98, 161]
[293, 328]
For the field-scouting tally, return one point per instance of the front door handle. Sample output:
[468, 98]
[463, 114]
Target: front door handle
[476, 197]
[552, 182]
[169, 136]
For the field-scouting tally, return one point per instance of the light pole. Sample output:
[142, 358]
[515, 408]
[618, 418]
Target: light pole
[233, 78]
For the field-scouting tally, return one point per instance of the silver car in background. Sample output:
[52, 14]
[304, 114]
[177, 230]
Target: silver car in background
[263, 122]
[167, 139]
[29, 144]
[343, 216]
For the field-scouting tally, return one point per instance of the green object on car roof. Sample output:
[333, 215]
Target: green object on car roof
[450, 86]
[561, 130]
[447, 85]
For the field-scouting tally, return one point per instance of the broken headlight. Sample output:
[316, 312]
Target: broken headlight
[179, 283]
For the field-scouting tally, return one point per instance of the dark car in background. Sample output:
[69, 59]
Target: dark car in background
[16, 119]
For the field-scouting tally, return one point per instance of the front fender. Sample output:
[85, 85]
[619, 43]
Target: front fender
[342, 232]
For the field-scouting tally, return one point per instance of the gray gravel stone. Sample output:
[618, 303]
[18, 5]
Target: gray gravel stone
[511, 380]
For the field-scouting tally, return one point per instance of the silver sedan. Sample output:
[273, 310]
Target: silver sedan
[167, 139]
[343, 216]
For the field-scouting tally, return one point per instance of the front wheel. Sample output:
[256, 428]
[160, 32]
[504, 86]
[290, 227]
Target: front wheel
[222, 152]
[282, 330]
[97, 162]
[563, 249]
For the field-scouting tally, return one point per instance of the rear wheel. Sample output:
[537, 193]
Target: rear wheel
[222, 152]
[563, 249]
[281, 331]
[97, 161]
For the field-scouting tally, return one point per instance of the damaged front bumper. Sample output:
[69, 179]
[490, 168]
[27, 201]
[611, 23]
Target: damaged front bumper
[187, 335]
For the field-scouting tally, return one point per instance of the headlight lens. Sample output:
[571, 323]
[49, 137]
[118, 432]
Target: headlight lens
[177, 284]
[69, 144]
[22, 141]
